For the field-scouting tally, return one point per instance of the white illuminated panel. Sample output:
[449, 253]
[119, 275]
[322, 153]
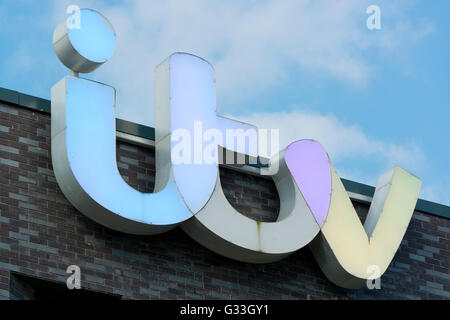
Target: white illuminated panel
[345, 250]
[83, 139]
[95, 38]
[186, 98]
[84, 159]
[87, 44]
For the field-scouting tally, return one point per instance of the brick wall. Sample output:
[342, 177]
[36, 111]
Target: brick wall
[41, 234]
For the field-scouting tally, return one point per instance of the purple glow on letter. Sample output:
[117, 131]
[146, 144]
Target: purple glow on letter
[308, 163]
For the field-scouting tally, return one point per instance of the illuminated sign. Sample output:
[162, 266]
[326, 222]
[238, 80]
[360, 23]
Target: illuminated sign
[314, 206]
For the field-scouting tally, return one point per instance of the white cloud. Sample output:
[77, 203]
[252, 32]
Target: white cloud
[257, 46]
[437, 192]
[254, 45]
[347, 144]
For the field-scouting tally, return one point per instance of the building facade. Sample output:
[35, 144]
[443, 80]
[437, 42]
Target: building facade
[41, 233]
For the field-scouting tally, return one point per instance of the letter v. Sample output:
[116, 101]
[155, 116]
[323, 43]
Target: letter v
[345, 249]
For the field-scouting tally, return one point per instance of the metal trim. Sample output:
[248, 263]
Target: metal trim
[144, 136]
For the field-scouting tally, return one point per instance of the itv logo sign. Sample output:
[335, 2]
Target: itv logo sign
[314, 206]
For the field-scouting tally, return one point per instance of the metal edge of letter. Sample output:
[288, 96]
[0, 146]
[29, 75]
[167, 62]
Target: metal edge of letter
[169, 118]
[221, 228]
[77, 195]
[344, 249]
[224, 230]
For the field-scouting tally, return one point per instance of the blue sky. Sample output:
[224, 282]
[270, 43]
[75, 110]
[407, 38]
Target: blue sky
[373, 98]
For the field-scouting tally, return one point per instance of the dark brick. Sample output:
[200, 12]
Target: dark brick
[41, 234]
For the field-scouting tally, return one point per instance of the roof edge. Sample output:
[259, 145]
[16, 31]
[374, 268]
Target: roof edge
[141, 131]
